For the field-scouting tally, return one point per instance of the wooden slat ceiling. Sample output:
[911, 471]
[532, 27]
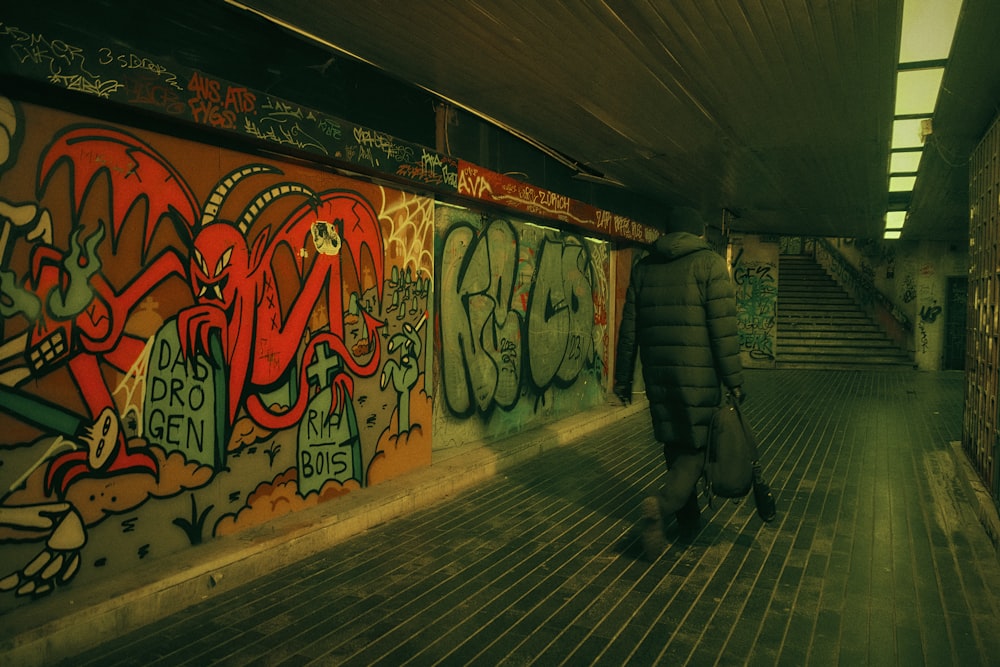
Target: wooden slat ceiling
[778, 110]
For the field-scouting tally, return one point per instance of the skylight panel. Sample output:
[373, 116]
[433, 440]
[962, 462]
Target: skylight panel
[904, 162]
[928, 29]
[895, 219]
[907, 133]
[917, 90]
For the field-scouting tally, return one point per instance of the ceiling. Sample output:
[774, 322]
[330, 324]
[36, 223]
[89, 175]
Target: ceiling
[779, 111]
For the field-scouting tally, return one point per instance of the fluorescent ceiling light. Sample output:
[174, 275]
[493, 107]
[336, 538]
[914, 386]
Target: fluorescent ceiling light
[904, 162]
[906, 133]
[902, 183]
[928, 29]
[895, 219]
[893, 234]
[917, 90]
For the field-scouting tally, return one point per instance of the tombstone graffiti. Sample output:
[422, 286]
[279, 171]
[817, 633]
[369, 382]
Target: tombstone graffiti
[184, 403]
[329, 448]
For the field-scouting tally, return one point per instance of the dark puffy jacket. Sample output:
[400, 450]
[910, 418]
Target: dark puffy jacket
[680, 312]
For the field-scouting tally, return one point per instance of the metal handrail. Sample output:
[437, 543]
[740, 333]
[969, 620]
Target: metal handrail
[862, 285]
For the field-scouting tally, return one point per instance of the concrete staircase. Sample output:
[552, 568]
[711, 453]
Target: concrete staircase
[821, 326]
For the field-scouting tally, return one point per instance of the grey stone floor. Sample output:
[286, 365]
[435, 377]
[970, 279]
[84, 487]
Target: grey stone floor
[876, 557]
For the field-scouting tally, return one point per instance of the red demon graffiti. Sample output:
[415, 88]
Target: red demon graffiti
[237, 296]
[232, 281]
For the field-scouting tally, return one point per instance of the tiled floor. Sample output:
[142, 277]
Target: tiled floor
[875, 558]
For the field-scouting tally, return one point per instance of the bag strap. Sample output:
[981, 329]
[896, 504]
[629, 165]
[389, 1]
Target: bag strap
[747, 432]
[704, 478]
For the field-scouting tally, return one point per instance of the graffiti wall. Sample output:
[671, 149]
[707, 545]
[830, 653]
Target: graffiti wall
[913, 276]
[194, 341]
[755, 274]
[622, 262]
[927, 268]
[523, 325]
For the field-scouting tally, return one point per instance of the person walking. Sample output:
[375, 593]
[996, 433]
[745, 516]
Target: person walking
[680, 316]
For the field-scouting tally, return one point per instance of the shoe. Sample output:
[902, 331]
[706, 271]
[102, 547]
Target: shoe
[689, 518]
[653, 540]
[764, 500]
[687, 532]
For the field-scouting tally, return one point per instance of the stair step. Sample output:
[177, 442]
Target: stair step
[867, 333]
[843, 358]
[827, 300]
[830, 334]
[801, 304]
[799, 279]
[813, 290]
[806, 364]
[820, 310]
[792, 314]
[801, 323]
[807, 289]
[815, 269]
[792, 317]
[838, 348]
[802, 274]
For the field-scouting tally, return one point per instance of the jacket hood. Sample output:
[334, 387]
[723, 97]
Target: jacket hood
[679, 244]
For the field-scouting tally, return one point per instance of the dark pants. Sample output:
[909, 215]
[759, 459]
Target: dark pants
[679, 494]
